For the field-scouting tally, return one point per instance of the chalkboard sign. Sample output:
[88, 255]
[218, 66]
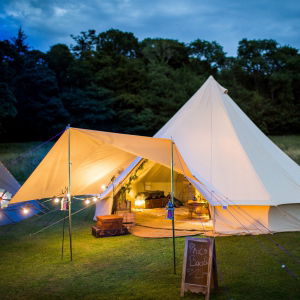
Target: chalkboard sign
[199, 266]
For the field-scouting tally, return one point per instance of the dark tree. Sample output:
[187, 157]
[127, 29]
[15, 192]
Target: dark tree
[165, 51]
[59, 60]
[111, 81]
[115, 42]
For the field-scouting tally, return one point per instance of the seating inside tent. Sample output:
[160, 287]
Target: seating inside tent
[146, 190]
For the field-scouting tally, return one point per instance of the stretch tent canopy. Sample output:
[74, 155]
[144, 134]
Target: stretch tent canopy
[96, 157]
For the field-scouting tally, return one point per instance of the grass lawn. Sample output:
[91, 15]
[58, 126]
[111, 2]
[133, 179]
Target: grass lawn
[129, 267]
[289, 144]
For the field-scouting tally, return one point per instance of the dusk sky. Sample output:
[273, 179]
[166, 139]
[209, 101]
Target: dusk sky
[49, 22]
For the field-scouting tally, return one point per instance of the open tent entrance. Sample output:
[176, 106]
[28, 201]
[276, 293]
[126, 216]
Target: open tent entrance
[146, 192]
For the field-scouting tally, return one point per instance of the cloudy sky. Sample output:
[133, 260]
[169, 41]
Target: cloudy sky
[47, 22]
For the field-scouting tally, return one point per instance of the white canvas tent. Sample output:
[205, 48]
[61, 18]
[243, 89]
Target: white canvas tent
[8, 184]
[10, 214]
[251, 184]
[8, 187]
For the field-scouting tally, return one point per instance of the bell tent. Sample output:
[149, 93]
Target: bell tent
[12, 213]
[8, 184]
[250, 184]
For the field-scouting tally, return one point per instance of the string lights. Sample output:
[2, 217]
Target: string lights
[56, 200]
[25, 210]
[64, 200]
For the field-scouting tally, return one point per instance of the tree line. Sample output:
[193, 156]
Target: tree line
[111, 81]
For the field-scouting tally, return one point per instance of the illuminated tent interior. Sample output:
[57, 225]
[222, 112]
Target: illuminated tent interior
[148, 185]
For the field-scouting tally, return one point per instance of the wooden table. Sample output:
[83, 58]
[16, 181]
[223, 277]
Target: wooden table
[193, 205]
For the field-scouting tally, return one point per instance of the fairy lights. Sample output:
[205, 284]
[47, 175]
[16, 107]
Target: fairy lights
[25, 210]
[56, 200]
[87, 201]
[103, 187]
[95, 199]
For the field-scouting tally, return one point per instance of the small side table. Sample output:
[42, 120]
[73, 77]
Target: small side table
[194, 205]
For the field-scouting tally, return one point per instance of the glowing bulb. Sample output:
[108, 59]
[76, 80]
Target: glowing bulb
[139, 203]
[25, 211]
[68, 195]
[95, 199]
[103, 187]
[87, 201]
[56, 200]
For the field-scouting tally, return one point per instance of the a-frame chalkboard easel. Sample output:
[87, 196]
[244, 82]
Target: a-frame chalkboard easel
[199, 273]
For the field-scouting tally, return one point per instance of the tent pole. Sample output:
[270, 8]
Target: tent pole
[69, 192]
[172, 199]
[214, 220]
[63, 237]
[115, 209]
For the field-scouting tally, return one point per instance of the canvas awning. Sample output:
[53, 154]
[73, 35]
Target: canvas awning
[96, 157]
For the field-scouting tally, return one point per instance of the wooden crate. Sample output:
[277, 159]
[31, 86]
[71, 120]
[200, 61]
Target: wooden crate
[111, 222]
[100, 233]
[128, 218]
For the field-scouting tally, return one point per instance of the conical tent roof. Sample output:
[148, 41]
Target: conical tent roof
[8, 184]
[224, 148]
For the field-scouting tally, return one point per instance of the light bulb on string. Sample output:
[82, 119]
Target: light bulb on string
[87, 201]
[95, 199]
[103, 187]
[25, 211]
[56, 200]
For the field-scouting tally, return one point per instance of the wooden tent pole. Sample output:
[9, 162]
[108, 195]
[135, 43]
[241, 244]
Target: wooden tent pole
[172, 200]
[69, 192]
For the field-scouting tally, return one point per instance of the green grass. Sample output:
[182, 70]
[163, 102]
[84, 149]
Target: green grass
[129, 267]
[289, 144]
[22, 158]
